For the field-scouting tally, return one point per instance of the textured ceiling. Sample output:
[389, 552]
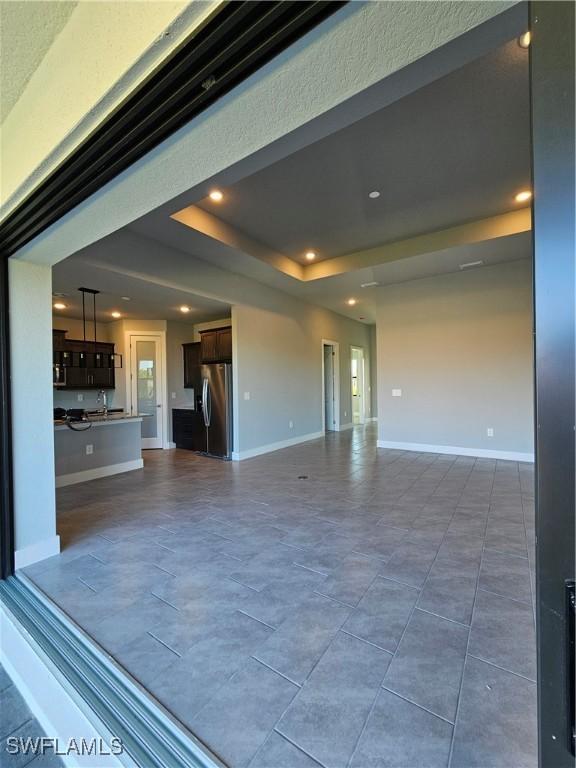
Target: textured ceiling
[454, 151]
[27, 30]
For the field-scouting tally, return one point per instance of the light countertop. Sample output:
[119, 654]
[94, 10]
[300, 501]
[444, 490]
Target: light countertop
[100, 421]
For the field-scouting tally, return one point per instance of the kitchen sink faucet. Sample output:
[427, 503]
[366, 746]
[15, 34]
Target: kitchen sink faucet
[103, 398]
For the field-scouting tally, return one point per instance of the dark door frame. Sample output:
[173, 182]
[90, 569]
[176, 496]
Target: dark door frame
[552, 97]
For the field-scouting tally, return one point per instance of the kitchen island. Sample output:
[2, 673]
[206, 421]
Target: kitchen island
[97, 447]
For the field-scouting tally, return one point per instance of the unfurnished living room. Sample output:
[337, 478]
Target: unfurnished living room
[300, 491]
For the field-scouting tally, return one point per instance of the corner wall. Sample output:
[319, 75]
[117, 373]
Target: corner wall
[459, 346]
[278, 361]
[33, 426]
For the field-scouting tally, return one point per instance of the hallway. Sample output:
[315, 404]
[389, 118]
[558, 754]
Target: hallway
[330, 604]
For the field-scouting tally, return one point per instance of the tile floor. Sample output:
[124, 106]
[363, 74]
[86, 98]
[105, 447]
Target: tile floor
[332, 604]
[17, 722]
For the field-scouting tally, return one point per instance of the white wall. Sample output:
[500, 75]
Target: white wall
[278, 360]
[459, 346]
[33, 431]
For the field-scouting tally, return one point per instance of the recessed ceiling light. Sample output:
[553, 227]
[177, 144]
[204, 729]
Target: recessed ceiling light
[125, 298]
[184, 308]
[370, 284]
[351, 302]
[60, 305]
[524, 196]
[374, 194]
[216, 196]
[471, 264]
[116, 314]
[524, 40]
[310, 255]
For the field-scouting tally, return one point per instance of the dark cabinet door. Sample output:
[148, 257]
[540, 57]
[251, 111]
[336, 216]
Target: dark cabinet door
[209, 347]
[76, 378]
[192, 354]
[224, 345]
[216, 345]
[188, 430]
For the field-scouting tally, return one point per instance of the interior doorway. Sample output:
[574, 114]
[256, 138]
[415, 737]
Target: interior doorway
[146, 387]
[330, 388]
[358, 378]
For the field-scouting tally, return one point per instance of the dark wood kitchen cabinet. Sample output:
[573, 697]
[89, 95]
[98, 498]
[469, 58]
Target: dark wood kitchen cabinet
[87, 365]
[216, 345]
[192, 353]
[188, 430]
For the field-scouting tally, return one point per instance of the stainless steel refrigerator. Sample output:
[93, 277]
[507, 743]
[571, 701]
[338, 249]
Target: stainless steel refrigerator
[217, 408]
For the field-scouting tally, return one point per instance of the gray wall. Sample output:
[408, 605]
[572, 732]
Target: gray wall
[278, 360]
[460, 348]
[33, 433]
[113, 443]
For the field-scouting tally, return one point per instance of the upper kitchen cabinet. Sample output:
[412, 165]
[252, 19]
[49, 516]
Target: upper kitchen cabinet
[192, 353]
[216, 345]
[82, 364]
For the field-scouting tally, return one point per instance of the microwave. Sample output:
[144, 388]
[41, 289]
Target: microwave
[58, 375]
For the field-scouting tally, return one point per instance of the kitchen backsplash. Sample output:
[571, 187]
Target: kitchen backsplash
[69, 399]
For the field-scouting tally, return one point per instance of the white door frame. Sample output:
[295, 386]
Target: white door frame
[336, 362]
[362, 383]
[162, 378]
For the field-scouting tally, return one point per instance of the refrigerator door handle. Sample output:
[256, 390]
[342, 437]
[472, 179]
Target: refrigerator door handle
[205, 412]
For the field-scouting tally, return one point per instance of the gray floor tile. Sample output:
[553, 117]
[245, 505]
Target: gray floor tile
[238, 719]
[506, 575]
[322, 721]
[231, 537]
[14, 711]
[410, 563]
[503, 634]
[496, 723]
[349, 582]
[383, 613]
[298, 643]
[427, 667]
[145, 658]
[277, 752]
[189, 684]
[449, 590]
[401, 735]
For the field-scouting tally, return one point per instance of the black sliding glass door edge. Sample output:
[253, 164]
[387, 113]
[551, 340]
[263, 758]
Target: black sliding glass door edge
[150, 736]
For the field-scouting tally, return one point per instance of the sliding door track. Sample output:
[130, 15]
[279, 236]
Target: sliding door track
[150, 736]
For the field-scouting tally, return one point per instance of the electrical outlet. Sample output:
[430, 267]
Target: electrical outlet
[490, 432]
[80, 397]
[291, 424]
[173, 395]
[396, 393]
[89, 449]
[345, 414]
[246, 395]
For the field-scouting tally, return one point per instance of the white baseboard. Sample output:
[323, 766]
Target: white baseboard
[36, 552]
[97, 472]
[42, 687]
[250, 453]
[169, 445]
[458, 450]
[343, 427]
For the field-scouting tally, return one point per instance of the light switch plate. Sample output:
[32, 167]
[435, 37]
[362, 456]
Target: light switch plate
[490, 432]
[80, 397]
[246, 395]
[291, 424]
[173, 395]
[89, 449]
[396, 393]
